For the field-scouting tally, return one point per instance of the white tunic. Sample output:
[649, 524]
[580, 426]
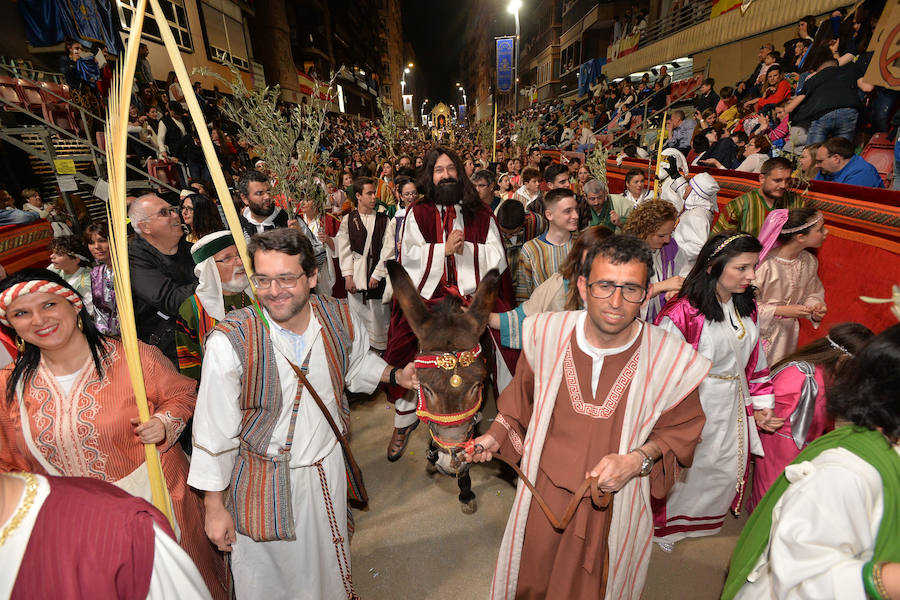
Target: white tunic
[313, 566]
[703, 495]
[414, 256]
[174, 575]
[374, 312]
[823, 531]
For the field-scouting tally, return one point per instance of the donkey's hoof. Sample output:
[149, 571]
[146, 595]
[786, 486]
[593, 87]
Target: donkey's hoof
[430, 468]
[470, 507]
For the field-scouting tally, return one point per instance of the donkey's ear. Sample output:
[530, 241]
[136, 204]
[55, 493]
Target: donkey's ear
[408, 297]
[484, 298]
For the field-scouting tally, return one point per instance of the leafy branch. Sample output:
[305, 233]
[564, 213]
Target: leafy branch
[287, 142]
[596, 163]
[391, 126]
[527, 134]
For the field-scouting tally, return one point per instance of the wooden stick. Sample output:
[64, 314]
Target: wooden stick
[209, 152]
[494, 155]
[116, 141]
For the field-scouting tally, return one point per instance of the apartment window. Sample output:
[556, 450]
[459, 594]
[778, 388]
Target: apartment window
[224, 29]
[176, 15]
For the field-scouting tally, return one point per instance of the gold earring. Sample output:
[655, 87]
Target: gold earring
[20, 344]
[80, 323]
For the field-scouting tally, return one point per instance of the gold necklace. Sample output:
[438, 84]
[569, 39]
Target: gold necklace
[31, 488]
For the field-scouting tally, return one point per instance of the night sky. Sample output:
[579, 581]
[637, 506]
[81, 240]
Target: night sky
[436, 32]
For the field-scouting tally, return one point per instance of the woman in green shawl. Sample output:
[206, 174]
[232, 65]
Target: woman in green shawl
[830, 525]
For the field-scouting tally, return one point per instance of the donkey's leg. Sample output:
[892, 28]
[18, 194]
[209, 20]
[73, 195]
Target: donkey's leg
[431, 455]
[466, 495]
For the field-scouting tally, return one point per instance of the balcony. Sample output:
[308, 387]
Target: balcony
[694, 13]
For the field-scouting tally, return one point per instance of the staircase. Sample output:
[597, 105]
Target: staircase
[40, 120]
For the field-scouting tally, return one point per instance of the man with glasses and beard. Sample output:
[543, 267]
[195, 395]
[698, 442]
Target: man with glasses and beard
[449, 239]
[597, 393]
[288, 532]
[223, 287]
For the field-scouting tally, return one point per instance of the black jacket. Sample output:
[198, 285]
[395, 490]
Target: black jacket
[160, 284]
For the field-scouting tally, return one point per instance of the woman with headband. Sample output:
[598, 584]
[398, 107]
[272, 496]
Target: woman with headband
[69, 409]
[715, 312]
[787, 278]
[800, 381]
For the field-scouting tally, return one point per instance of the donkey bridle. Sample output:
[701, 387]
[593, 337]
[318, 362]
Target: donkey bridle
[452, 361]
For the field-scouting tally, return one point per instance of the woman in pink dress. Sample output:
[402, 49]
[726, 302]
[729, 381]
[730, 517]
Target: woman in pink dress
[800, 381]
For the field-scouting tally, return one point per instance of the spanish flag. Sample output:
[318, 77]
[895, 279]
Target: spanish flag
[720, 7]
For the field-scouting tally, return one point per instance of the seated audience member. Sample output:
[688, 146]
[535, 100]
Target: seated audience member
[839, 164]
[806, 164]
[727, 99]
[776, 90]
[682, 131]
[756, 152]
[707, 98]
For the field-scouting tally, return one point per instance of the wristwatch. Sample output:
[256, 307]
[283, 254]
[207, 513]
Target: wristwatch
[646, 464]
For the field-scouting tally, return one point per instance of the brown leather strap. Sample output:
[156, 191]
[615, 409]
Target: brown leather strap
[600, 499]
[337, 432]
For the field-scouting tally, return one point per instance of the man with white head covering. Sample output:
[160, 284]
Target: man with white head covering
[223, 287]
[696, 200]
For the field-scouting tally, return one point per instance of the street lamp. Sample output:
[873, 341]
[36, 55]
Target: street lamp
[513, 8]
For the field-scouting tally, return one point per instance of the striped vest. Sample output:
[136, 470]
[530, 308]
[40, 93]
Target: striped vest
[261, 401]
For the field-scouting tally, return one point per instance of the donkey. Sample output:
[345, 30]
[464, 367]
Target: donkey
[451, 368]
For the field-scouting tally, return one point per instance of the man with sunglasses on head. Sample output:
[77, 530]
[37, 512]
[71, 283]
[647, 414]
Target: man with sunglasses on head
[162, 271]
[596, 393]
[261, 437]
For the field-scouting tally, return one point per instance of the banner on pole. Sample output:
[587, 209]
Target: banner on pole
[505, 55]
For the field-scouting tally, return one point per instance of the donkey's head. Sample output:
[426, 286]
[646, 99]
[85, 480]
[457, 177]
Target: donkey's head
[450, 364]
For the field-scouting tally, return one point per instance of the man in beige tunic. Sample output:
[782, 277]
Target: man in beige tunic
[603, 394]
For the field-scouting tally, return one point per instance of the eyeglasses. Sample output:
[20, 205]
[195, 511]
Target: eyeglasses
[187, 209]
[409, 194]
[284, 281]
[168, 211]
[229, 259]
[601, 290]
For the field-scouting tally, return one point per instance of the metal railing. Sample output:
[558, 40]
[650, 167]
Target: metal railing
[693, 13]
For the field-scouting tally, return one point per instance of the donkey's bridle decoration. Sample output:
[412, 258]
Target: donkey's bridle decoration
[448, 361]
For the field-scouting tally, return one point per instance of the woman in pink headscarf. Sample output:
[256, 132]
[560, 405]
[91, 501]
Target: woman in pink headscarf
[787, 278]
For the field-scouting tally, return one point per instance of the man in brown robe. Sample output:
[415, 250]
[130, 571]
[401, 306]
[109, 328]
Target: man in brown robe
[596, 393]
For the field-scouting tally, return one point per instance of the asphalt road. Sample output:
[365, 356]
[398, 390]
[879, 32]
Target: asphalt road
[414, 542]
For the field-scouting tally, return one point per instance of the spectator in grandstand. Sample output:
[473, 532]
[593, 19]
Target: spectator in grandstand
[59, 221]
[806, 165]
[744, 87]
[171, 129]
[749, 211]
[723, 151]
[708, 98]
[586, 139]
[775, 91]
[769, 60]
[756, 152]
[682, 131]
[839, 164]
[829, 101]
[727, 99]
[664, 79]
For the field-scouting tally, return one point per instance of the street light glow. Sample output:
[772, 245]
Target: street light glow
[406, 70]
[514, 6]
[410, 65]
